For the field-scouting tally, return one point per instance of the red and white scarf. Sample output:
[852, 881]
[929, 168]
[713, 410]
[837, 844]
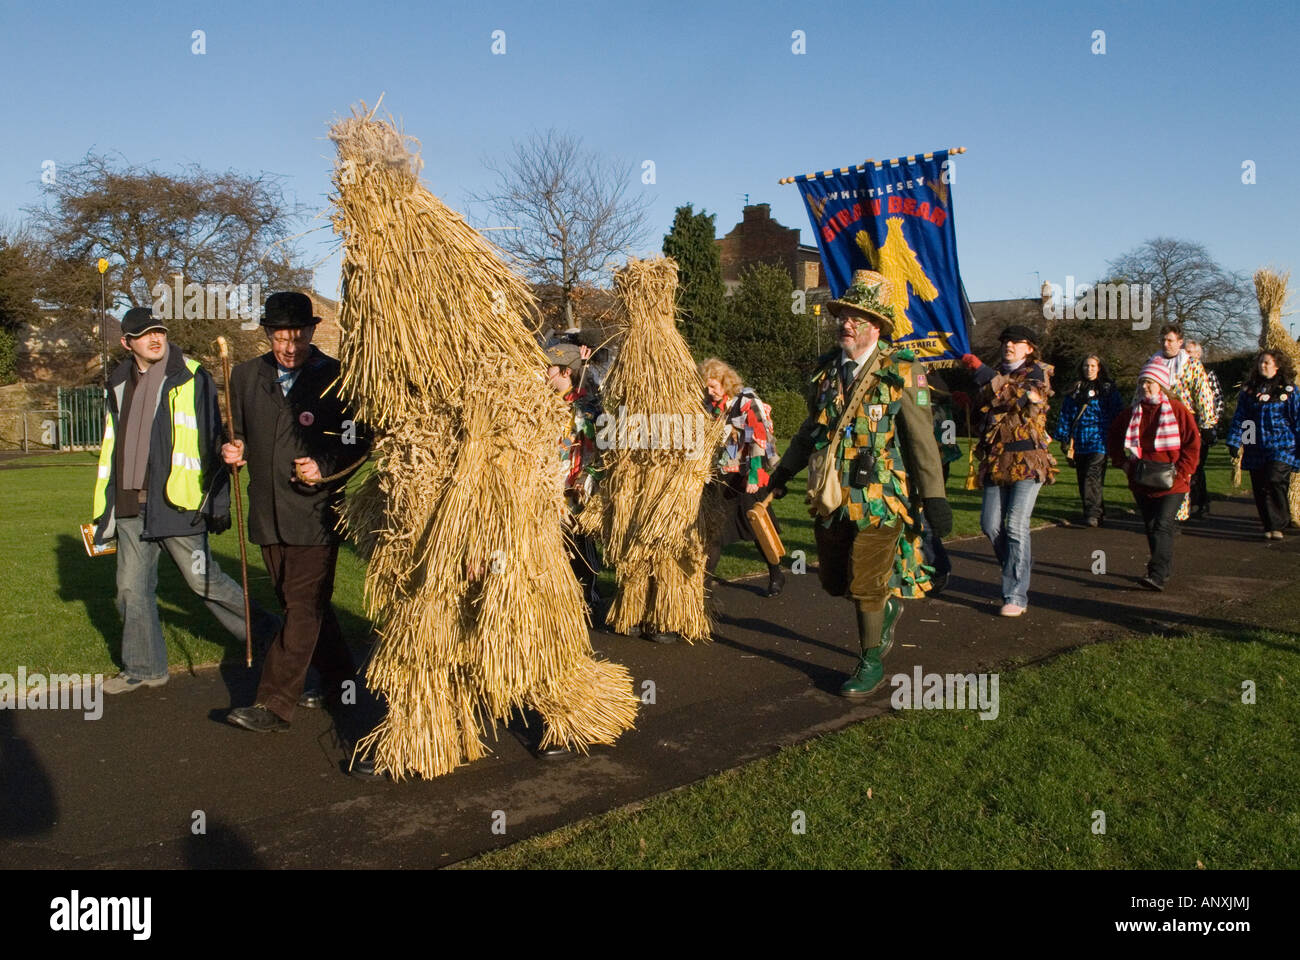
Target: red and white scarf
[1167, 436]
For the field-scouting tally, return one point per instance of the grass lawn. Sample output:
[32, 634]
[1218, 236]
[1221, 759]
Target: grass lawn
[1152, 731]
[58, 612]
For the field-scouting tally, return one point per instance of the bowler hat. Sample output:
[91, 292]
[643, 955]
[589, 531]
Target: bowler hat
[288, 310]
[868, 295]
[139, 321]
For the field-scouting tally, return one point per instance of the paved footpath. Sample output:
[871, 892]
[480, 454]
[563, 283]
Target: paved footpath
[123, 791]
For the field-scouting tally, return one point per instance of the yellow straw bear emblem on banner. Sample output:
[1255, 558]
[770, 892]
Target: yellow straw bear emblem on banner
[899, 263]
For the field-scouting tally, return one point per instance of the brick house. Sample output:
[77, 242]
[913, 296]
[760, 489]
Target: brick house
[760, 239]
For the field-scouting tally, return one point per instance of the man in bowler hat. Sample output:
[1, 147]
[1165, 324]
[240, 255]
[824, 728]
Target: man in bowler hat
[293, 431]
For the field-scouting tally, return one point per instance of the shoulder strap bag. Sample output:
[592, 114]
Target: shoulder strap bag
[824, 492]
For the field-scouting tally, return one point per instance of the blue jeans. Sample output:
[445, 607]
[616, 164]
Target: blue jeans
[144, 652]
[1005, 521]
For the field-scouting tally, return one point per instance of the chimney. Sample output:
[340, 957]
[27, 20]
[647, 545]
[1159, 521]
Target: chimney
[758, 211]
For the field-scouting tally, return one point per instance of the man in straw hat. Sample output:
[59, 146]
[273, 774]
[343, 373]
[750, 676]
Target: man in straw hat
[294, 432]
[884, 458]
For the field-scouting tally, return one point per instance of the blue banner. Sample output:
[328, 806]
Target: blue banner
[896, 218]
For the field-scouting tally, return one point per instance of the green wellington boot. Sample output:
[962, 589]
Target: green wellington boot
[877, 629]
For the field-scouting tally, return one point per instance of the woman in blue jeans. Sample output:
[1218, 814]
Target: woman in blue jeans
[1012, 447]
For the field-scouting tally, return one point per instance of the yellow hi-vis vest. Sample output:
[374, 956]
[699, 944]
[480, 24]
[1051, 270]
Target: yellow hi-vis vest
[184, 488]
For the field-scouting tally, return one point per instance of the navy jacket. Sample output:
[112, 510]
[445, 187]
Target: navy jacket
[161, 519]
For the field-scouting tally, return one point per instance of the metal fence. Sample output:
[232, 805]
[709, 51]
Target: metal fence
[80, 417]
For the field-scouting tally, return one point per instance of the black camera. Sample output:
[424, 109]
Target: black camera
[863, 473]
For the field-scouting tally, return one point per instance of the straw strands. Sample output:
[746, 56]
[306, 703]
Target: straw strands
[477, 609]
[654, 510]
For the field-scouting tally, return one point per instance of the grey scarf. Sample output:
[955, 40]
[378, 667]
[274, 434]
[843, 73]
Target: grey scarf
[139, 424]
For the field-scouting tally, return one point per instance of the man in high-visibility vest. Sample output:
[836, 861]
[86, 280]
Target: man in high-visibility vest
[162, 486]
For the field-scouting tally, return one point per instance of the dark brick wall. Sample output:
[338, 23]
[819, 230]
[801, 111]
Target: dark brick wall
[760, 239]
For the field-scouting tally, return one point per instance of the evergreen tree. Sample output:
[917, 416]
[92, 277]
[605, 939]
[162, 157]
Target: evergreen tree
[701, 297]
[18, 290]
[763, 336]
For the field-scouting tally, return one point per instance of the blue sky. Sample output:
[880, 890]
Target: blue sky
[1074, 158]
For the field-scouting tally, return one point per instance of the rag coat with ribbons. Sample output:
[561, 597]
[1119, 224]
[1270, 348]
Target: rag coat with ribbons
[893, 427]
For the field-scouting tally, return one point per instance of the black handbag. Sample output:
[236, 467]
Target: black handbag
[1153, 474]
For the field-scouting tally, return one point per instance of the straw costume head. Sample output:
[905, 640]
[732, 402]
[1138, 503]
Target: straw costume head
[651, 509]
[477, 610]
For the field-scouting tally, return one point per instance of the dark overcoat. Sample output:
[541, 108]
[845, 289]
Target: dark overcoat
[276, 429]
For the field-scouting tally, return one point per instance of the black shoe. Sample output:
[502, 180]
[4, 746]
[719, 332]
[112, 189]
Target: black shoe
[364, 769]
[311, 699]
[938, 583]
[258, 719]
[775, 582]
[662, 637]
[558, 750]
[1152, 584]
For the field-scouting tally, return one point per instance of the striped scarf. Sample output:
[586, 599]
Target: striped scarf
[1167, 437]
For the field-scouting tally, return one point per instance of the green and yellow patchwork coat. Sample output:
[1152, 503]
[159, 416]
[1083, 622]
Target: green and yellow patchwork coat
[894, 426]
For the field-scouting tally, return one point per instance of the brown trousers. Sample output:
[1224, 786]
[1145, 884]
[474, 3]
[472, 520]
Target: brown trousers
[311, 636]
[857, 563]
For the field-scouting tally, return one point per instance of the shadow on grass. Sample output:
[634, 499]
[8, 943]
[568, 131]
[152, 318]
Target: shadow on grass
[92, 582]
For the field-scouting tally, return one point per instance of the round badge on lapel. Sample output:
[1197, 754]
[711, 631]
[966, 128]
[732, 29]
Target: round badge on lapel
[306, 418]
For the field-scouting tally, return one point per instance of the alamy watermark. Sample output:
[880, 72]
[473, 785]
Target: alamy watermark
[652, 431]
[179, 300]
[946, 691]
[1100, 301]
[58, 691]
[75, 913]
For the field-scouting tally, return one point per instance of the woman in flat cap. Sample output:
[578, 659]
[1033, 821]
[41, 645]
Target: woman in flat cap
[1012, 447]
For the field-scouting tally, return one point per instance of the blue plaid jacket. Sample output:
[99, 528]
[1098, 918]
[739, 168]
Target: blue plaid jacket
[1098, 410]
[1277, 426]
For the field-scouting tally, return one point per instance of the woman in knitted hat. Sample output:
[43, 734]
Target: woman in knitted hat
[1013, 450]
[747, 458]
[1270, 448]
[1083, 428]
[1157, 446]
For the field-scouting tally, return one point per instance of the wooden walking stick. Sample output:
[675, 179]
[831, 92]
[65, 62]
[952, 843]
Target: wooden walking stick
[239, 503]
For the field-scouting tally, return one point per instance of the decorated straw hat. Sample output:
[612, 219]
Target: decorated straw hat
[868, 295]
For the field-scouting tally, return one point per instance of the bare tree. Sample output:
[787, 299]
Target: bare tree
[1189, 287]
[566, 214]
[210, 228]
